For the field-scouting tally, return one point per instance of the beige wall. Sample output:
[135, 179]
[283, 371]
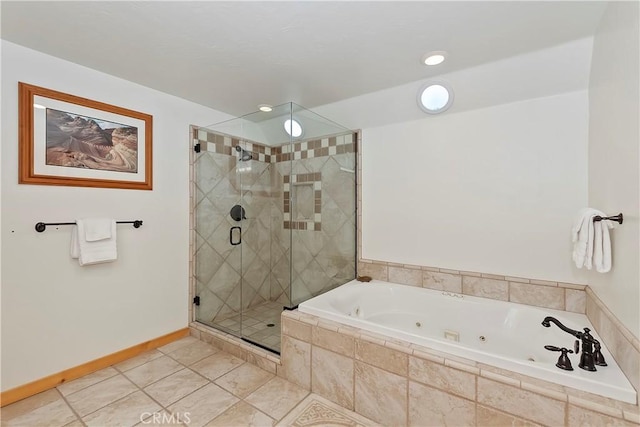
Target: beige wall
[492, 190]
[493, 184]
[56, 314]
[453, 196]
[614, 141]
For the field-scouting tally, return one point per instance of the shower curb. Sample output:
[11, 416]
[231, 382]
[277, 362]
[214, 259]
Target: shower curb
[236, 347]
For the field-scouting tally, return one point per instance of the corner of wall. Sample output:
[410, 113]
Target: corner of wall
[614, 154]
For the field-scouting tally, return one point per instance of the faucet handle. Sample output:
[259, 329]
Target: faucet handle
[563, 360]
[598, 358]
[576, 346]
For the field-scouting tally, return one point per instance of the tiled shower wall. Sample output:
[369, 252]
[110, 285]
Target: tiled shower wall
[322, 187]
[299, 196]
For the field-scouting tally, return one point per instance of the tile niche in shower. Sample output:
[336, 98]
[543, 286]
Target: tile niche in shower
[305, 191]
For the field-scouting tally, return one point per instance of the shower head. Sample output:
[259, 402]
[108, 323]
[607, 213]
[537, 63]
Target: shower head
[244, 154]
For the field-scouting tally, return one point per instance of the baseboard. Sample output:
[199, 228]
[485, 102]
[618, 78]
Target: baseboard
[37, 386]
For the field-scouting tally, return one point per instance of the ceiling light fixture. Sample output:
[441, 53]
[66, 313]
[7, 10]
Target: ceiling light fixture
[265, 108]
[434, 58]
[293, 128]
[435, 97]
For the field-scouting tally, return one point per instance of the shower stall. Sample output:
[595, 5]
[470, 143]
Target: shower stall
[274, 217]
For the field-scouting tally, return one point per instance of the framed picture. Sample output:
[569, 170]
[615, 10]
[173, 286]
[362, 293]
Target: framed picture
[73, 141]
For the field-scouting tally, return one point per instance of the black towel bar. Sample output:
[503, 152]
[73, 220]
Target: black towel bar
[41, 226]
[618, 218]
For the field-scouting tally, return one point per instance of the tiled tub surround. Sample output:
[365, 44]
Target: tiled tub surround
[498, 333]
[396, 383]
[624, 347]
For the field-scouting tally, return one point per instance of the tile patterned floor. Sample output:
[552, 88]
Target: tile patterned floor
[186, 382]
[254, 324]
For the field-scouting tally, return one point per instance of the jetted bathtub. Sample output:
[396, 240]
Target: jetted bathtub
[498, 333]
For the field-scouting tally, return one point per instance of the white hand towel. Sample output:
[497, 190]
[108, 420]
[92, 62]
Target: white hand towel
[89, 242]
[97, 229]
[577, 224]
[588, 259]
[582, 227]
[602, 246]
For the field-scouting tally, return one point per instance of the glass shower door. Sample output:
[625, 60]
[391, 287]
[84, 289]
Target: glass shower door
[218, 258]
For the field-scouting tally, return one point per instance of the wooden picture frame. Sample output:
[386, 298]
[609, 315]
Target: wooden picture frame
[72, 141]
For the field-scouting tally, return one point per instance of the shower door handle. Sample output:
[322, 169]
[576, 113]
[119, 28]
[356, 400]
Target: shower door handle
[239, 236]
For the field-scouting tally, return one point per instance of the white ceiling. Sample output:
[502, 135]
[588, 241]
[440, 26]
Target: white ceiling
[232, 56]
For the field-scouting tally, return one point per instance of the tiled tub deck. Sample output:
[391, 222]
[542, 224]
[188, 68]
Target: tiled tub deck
[396, 383]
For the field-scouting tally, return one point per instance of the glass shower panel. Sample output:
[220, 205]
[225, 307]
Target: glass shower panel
[323, 206]
[259, 194]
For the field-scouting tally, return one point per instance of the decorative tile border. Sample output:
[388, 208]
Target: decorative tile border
[224, 144]
[316, 148]
[430, 384]
[314, 180]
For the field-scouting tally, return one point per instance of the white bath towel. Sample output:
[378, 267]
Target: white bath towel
[93, 241]
[602, 246]
[591, 244]
[580, 236]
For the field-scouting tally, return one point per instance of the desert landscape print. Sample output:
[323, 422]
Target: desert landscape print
[78, 141]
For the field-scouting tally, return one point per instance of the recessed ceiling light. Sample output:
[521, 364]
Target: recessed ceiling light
[434, 58]
[265, 108]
